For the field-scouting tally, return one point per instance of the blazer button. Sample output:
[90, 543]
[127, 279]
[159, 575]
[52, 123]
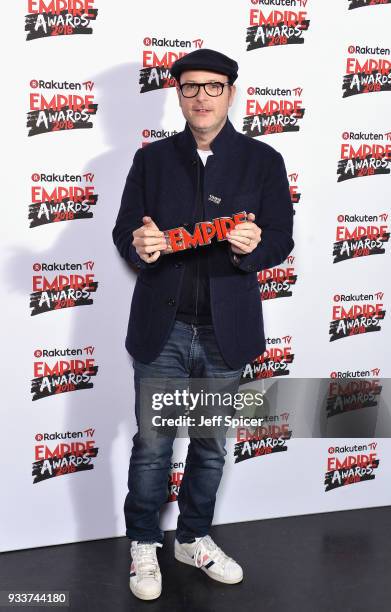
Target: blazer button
[171, 302]
[178, 264]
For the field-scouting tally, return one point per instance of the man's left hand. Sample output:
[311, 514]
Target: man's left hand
[245, 236]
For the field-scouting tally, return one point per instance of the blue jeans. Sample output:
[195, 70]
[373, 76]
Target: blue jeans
[190, 351]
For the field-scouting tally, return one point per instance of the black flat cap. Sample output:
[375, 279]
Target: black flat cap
[206, 59]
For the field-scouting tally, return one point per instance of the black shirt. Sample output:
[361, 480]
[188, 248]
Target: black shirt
[194, 298]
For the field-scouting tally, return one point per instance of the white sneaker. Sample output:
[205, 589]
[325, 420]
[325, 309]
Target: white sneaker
[145, 579]
[205, 554]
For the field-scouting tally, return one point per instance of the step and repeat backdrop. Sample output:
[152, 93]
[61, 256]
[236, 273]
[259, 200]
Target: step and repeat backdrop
[87, 82]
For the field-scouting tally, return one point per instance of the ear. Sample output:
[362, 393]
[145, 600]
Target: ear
[232, 93]
[178, 92]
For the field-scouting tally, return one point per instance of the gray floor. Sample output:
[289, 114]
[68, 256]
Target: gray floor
[334, 562]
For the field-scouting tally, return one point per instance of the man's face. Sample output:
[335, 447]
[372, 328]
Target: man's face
[205, 113]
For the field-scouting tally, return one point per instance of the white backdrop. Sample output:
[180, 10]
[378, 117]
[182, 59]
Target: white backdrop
[90, 401]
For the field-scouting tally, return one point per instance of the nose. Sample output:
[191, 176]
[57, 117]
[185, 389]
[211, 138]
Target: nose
[202, 95]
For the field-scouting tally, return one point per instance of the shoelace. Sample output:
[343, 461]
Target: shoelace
[145, 559]
[207, 546]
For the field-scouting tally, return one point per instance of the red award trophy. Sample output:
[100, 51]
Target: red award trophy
[179, 239]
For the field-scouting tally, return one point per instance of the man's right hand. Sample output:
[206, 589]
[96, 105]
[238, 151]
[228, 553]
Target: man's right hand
[149, 241]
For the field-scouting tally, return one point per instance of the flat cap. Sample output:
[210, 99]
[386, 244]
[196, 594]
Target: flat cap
[206, 59]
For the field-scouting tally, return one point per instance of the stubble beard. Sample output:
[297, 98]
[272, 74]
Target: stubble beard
[216, 127]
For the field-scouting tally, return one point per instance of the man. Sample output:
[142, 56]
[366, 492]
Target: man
[195, 313]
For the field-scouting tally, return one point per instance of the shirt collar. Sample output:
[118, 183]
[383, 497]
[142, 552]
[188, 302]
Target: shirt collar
[219, 144]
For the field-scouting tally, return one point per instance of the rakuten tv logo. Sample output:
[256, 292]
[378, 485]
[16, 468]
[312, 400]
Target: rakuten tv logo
[155, 71]
[66, 202]
[59, 18]
[366, 75]
[357, 318]
[56, 376]
[156, 135]
[59, 291]
[63, 457]
[263, 440]
[61, 111]
[353, 395]
[273, 362]
[277, 282]
[358, 240]
[364, 159]
[355, 373]
[357, 464]
[275, 114]
[353, 4]
[269, 29]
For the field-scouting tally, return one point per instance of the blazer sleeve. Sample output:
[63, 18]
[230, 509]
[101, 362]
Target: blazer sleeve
[131, 213]
[276, 221]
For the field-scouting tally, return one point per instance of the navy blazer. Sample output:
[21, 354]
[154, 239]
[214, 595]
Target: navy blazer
[246, 174]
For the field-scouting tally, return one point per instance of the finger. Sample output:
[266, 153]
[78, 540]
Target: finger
[142, 249]
[252, 233]
[240, 245]
[151, 258]
[141, 241]
[151, 232]
[147, 240]
[244, 225]
[144, 231]
[153, 247]
[239, 240]
[245, 236]
[148, 221]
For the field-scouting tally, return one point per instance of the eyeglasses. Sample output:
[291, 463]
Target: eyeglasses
[190, 90]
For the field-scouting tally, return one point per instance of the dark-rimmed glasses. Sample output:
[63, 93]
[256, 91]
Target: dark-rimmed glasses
[214, 89]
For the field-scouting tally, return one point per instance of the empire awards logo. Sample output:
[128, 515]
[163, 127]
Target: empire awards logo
[58, 291]
[360, 236]
[273, 362]
[46, 18]
[277, 282]
[366, 74]
[352, 395]
[63, 200]
[360, 159]
[60, 111]
[53, 457]
[351, 464]
[58, 371]
[270, 28]
[279, 110]
[354, 319]
[156, 64]
[267, 439]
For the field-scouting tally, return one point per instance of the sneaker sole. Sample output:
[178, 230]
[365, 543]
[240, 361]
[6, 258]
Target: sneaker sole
[189, 561]
[144, 597]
